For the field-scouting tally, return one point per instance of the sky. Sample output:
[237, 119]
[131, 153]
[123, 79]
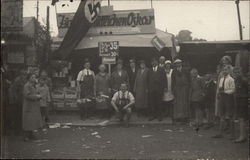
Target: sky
[210, 20]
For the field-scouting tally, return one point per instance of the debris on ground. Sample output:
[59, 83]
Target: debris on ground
[56, 125]
[185, 151]
[85, 146]
[44, 130]
[108, 142]
[168, 130]
[141, 152]
[45, 151]
[65, 127]
[98, 136]
[146, 136]
[40, 140]
[94, 133]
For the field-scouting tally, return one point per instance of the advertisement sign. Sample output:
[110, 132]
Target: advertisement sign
[158, 43]
[12, 15]
[109, 60]
[115, 23]
[108, 49]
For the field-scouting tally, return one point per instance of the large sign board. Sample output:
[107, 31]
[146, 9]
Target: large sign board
[116, 23]
[108, 49]
[12, 15]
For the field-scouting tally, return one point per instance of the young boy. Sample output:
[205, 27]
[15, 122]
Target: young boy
[209, 99]
[197, 96]
[122, 102]
[43, 89]
[226, 91]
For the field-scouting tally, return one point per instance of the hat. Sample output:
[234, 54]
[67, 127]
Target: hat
[132, 61]
[178, 61]
[167, 62]
[119, 61]
[86, 60]
[142, 61]
[228, 58]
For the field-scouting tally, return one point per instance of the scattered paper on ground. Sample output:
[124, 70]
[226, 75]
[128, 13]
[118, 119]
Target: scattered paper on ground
[56, 125]
[94, 133]
[46, 150]
[98, 136]
[168, 130]
[65, 127]
[104, 123]
[146, 136]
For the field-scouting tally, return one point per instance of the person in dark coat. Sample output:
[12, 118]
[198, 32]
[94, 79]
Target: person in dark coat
[181, 84]
[32, 118]
[16, 99]
[132, 71]
[118, 77]
[156, 77]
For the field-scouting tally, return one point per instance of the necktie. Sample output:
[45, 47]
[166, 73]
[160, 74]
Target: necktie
[223, 84]
[87, 72]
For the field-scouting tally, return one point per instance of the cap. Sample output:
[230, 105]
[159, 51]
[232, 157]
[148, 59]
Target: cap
[167, 62]
[178, 61]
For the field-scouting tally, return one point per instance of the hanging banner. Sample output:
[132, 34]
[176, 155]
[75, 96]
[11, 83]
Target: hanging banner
[11, 15]
[116, 22]
[84, 17]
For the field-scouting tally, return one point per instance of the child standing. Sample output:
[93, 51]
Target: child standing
[197, 96]
[226, 97]
[45, 100]
[209, 99]
[122, 102]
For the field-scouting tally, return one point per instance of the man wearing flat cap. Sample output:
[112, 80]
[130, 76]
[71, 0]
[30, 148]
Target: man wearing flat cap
[156, 77]
[132, 70]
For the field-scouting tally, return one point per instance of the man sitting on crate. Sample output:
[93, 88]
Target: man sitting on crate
[122, 102]
[86, 85]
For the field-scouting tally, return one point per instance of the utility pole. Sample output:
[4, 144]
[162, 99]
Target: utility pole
[108, 2]
[48, 36]
[239, 20]
[37, 9]
[151, 4]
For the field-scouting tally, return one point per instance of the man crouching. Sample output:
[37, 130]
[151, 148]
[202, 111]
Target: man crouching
[122, 102]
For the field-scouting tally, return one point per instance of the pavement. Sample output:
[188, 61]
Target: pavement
[118, 142]
[73, 119]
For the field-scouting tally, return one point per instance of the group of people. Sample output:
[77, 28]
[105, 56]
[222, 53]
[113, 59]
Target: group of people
[165, 89]
[169, 89]
[29, 100]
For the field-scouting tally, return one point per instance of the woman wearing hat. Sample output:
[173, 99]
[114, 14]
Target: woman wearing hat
[86, 87]
[141, 88]
[181, 82]
[168, 96]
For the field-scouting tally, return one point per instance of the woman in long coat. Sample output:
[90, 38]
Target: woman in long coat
[32, 119]
[141, 88]
[181, 82]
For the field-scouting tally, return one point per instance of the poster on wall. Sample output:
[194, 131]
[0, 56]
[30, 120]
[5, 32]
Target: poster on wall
[12, 15]
[108, 49]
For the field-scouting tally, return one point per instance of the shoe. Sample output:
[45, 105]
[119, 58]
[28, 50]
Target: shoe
[240, 140]
[217, 136]
[152, 118]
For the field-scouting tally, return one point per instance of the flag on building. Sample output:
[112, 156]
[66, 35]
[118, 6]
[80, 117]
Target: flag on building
[53, 2]
[84, 17]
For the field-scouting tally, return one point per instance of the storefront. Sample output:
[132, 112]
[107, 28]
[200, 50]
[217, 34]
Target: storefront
[135, 32]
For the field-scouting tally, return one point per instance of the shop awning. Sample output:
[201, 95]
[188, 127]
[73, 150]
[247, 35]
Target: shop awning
[136, 40]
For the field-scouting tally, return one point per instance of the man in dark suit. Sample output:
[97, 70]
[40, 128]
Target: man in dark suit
[156, 79]
[132, 70]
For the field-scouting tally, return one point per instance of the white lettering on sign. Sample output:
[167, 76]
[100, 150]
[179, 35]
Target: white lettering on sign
[110, 49]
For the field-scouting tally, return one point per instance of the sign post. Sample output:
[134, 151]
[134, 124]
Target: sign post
[108, 51]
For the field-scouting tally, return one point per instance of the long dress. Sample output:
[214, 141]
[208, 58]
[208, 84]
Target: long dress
[102, 88]
[32, 118]
[181, 90]
[140, 88]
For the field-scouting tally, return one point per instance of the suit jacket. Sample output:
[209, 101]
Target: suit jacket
[132, 76]
[116, 79]
[156, 80]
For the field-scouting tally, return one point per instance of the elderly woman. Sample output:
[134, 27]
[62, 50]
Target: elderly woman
[32, 119]
[103, 90]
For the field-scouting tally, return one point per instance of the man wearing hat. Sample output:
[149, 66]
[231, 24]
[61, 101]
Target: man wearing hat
[156, 77]
[132, 70]
[86, 88]
[181, 82]
[162, 62]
